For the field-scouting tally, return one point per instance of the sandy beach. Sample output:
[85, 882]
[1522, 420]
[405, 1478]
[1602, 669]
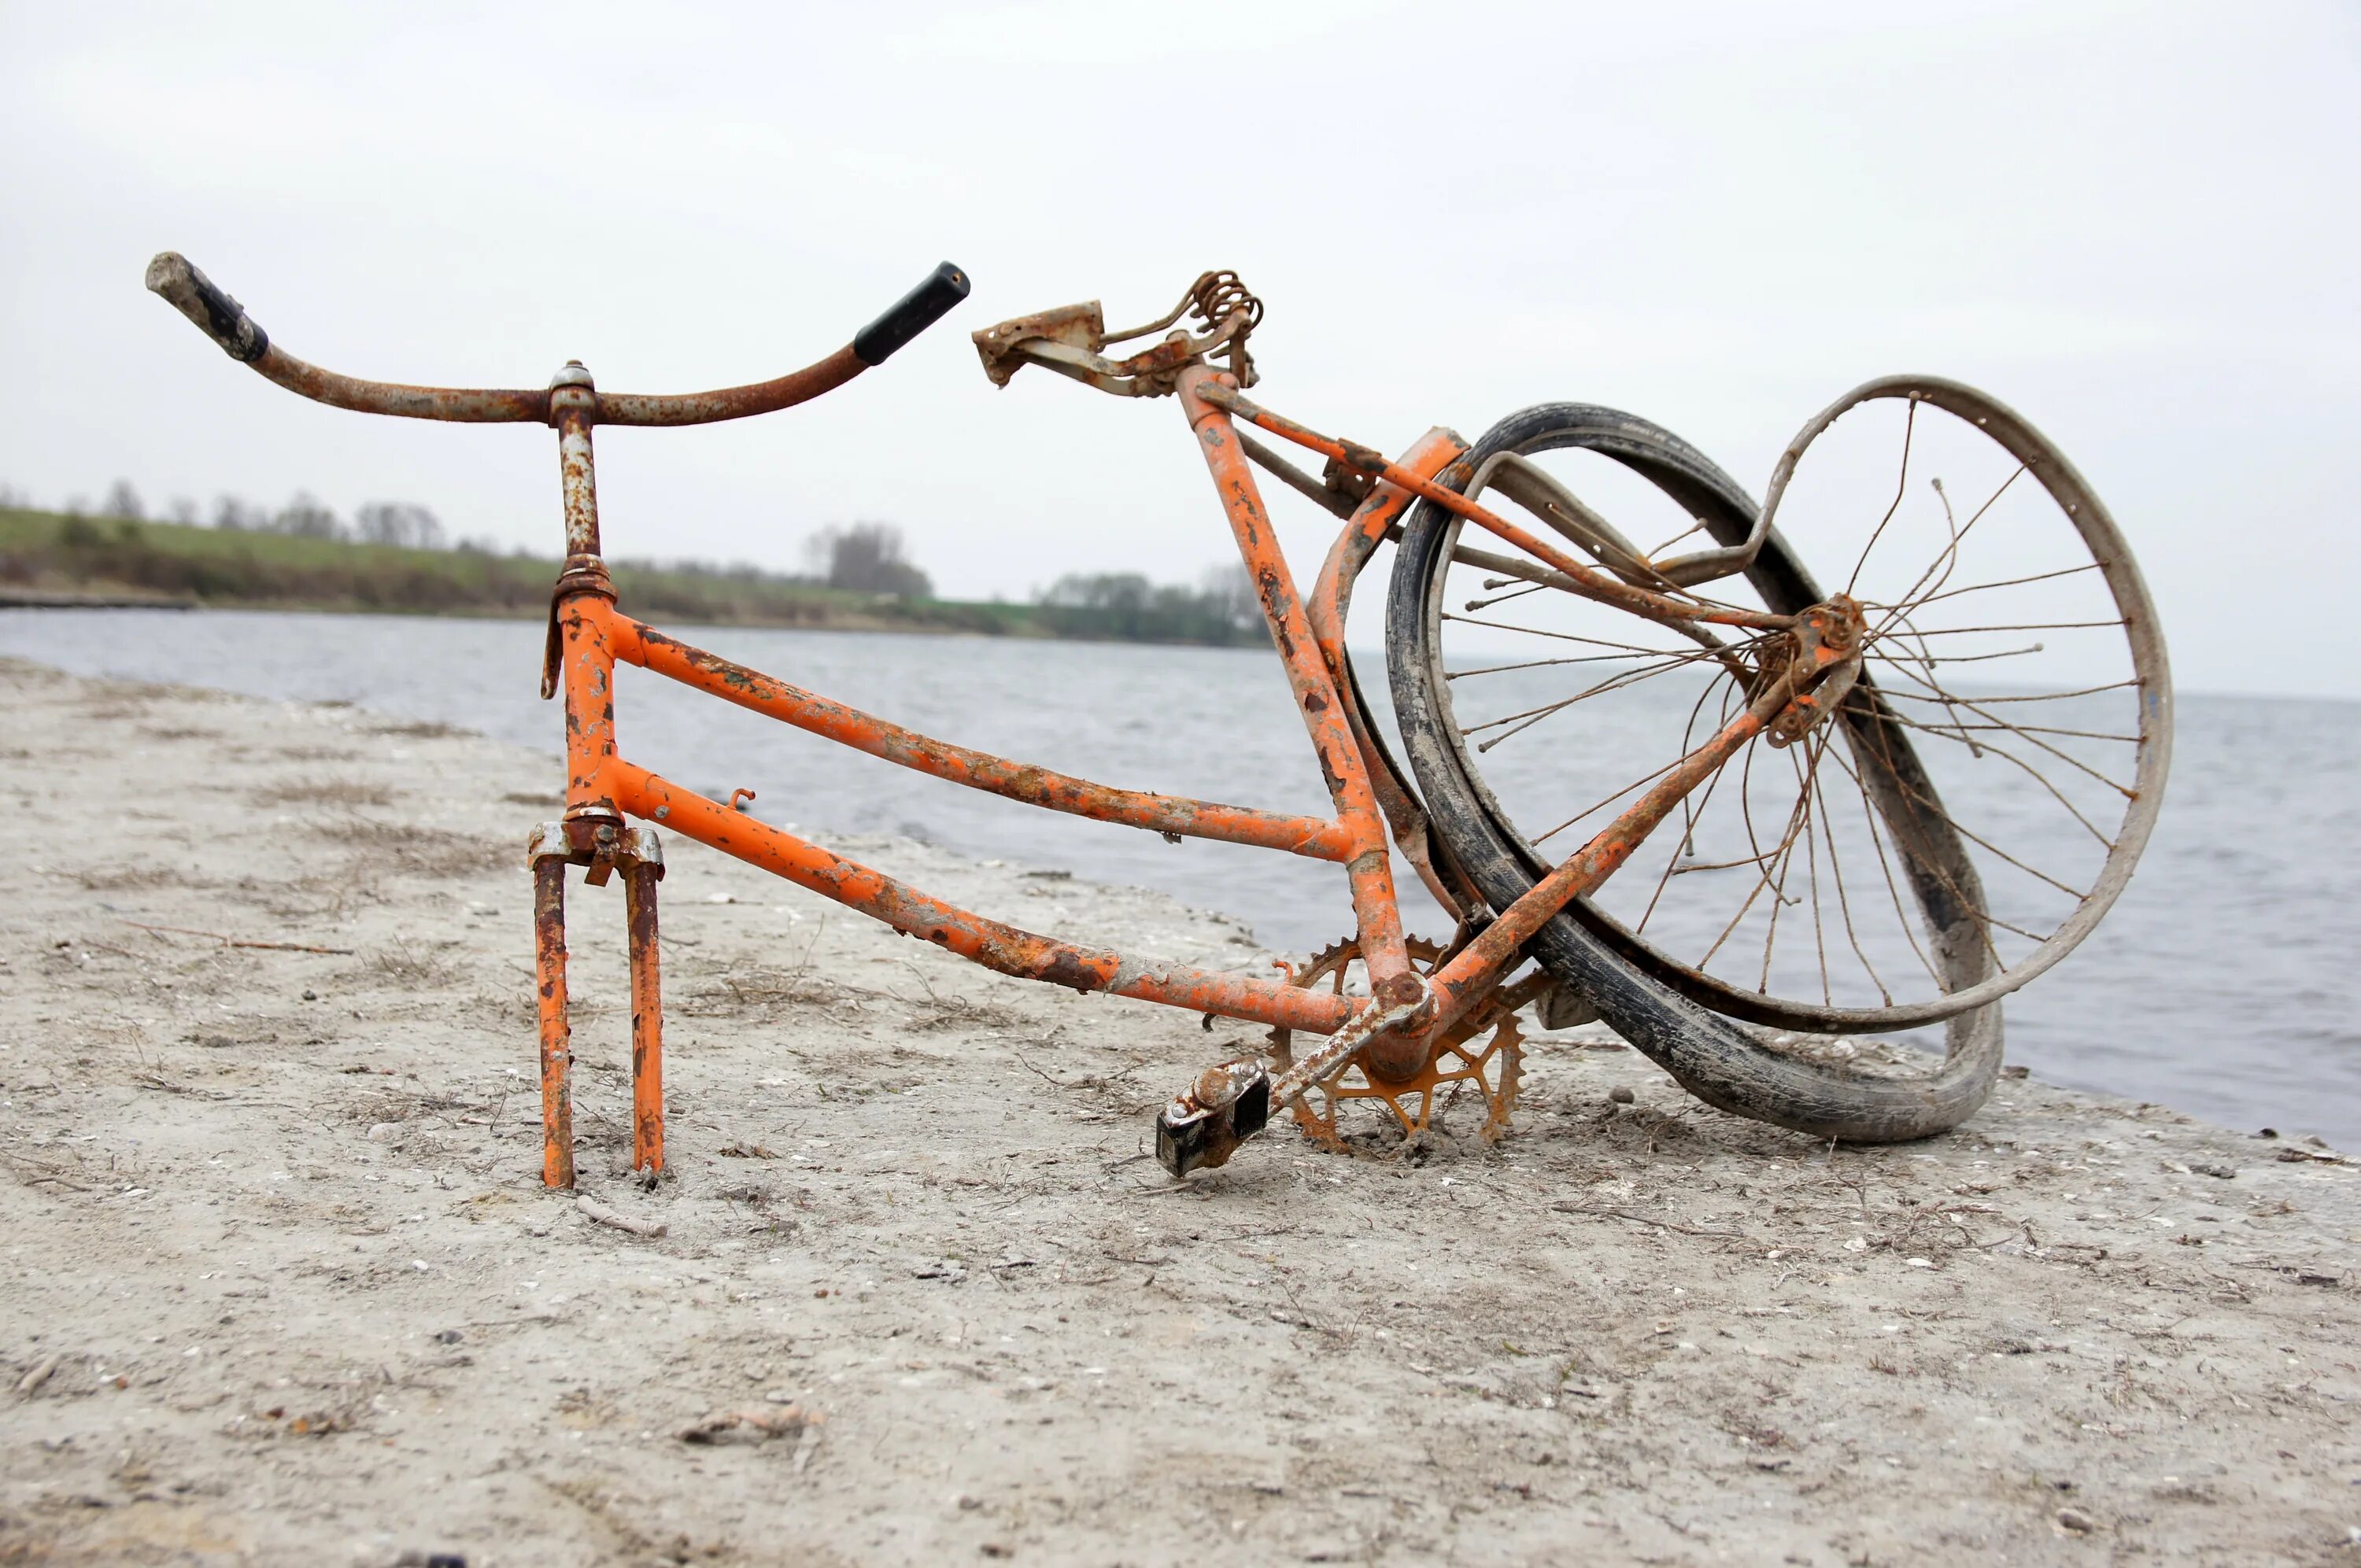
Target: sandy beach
[284, 1286]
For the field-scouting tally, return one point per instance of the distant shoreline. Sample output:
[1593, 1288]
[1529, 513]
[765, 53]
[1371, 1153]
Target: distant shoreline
[52, 560]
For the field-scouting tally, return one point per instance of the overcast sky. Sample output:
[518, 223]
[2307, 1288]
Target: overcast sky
[2136, 223]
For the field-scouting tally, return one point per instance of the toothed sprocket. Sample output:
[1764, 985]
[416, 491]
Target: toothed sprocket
[1456, 1061]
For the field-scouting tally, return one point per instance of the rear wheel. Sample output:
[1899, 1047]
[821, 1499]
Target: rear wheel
[1832, 886]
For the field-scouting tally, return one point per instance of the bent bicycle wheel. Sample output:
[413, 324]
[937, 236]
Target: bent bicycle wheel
[1961, 822]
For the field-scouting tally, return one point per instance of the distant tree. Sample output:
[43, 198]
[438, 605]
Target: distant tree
[1229, 593]
[1127, 604]
[307, 517]
[182, 509]
[404, 524]
[122, 500]
[14, 499]
[867, 557]
[231, 513]
[1124, 593]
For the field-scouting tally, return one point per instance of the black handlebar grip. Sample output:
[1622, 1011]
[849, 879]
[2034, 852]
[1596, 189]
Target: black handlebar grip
[217, 316]
[913, 313]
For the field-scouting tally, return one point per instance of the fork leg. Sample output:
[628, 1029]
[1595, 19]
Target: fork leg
[647, 1018]
[556, 1056]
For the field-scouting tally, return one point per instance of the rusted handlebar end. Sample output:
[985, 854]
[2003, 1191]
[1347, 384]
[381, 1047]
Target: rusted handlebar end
[1201, 1130]
[217, 316]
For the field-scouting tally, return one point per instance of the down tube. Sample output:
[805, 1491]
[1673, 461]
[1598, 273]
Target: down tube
[988, 942]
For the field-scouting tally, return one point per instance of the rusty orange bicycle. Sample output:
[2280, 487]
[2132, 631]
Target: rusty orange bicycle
[1930, 782]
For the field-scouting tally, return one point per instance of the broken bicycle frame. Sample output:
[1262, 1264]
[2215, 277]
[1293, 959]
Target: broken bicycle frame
[1387, 1031]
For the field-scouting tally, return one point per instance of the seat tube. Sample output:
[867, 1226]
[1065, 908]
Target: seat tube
[1370, 868]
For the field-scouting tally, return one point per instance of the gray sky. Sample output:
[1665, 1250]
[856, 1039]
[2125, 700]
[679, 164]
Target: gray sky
[2134, 222]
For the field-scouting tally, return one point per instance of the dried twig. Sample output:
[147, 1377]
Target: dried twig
[757, 1426]
[31, 1382]
[591, 1209]
[236, 942]
[1652, 1219]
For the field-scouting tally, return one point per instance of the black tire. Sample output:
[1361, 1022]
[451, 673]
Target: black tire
[1682, 1021]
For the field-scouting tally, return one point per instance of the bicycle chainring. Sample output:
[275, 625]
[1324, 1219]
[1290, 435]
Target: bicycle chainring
[1458, 1063]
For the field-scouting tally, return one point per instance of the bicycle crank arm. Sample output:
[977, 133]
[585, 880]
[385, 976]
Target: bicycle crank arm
[1231, 1100]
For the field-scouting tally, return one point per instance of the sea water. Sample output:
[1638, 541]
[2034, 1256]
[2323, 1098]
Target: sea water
[2224, 983]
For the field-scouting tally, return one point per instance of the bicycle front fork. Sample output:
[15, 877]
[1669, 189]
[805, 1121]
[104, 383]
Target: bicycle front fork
[605, 847]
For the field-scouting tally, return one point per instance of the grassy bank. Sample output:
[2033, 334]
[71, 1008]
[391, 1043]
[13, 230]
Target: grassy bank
[230, 568]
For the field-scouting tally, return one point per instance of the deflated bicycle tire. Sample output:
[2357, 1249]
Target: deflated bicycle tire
[1710, 1053]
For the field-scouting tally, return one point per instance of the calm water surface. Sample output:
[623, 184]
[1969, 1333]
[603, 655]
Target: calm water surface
[2225, 983]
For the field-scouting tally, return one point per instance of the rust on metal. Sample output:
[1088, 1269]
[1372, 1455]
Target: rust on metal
[458, 404]
[1369, 870]
[1205, 1124]
[988, 942]
[1464, 981]
[588, 674]
[573, 409]
[1825, 652]
[224, 319]
[1071, 340]
[639, 880]
[652, 650]
[1597, 584]
[1080, 327]
[1414, 1035]
[1376, 518]
[1446, 1056]
[732, 402]
[556, 1050]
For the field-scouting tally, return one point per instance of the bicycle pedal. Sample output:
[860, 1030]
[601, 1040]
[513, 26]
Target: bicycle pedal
[1202, 1127]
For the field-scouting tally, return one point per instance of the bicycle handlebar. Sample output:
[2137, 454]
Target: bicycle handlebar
[217, 316]
[913, 313]
[224, 319]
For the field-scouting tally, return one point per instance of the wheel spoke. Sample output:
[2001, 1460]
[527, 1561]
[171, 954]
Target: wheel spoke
[1561, 636]
[2008, 583]
[1877, 842]
[1952, 701]
[1988, 872]
[2027, 626]
[1798, 821]
[1472, 605]
[1539, 664]
[1969, 834]
[2042, 696]
[1809, 787]
[1947, 561]
[1691, 809]
[1844, 905]
[2006, 754]
[1901, 488]
[1534, 715]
